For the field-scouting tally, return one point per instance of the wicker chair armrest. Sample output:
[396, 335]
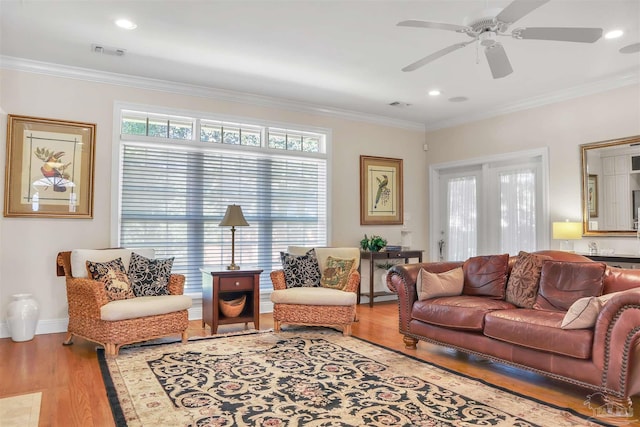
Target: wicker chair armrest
[353, 283]
[277, 278]
[176, 284]
[85, 297]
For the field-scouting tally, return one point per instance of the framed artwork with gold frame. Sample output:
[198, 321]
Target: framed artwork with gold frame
[381, 191]
[49, 168]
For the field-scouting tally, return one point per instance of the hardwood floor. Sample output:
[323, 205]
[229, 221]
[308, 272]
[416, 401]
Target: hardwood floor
[73, 393]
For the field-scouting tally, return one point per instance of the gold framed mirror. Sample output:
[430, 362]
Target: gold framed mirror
[611, 187]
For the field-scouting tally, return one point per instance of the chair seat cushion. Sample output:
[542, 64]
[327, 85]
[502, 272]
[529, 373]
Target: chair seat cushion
[313, 296]
[144, 306]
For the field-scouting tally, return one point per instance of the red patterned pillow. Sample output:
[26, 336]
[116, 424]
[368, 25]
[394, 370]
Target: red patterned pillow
[115, 279]
[522, 287]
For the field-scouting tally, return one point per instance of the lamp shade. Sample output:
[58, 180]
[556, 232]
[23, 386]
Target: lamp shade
[234, 217]
[567, 230]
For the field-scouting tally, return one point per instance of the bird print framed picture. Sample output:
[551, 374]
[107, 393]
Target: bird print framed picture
[49, 168]
[380, 191]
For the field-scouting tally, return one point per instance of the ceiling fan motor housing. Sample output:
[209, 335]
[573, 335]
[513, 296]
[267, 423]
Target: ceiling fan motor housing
[483, 21]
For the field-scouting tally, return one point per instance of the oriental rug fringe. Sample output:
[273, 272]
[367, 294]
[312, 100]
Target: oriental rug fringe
[307, 377]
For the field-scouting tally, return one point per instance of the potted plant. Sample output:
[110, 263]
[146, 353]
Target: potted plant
[373, 243]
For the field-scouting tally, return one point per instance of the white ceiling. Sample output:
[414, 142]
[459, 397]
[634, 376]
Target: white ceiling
[342, 55]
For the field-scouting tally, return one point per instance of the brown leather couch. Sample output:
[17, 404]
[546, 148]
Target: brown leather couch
[605, 358]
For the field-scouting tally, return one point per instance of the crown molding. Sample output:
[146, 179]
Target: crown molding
[617, 81]
[87, 74]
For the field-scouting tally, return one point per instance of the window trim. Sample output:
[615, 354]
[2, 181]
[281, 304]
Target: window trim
[196, 145]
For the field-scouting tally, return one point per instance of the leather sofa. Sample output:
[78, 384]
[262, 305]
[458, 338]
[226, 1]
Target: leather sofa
[605, 357]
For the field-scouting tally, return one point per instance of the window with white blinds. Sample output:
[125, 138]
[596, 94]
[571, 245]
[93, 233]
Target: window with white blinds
[173, 196]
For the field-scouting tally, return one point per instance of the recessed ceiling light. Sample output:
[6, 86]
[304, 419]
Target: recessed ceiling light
[126, 24]
[614, 34]
[434, 92]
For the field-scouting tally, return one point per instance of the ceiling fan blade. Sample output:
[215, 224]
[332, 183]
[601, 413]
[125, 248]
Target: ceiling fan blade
[561, 34]
[434, 25]
[498, 61]
[632, 48]
[442, 52]
[517, 9]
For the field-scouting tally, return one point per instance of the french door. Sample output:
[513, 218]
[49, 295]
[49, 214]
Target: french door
[488, 207]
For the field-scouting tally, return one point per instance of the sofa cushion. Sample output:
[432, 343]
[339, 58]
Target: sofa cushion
[562, 283]
[336, 273]
[114, 278]
[149, 277]
[584, 312]
[301, 270]
[143, 307]
[458, 312]
[445, 284]
[486, 275]
[539, 330]
[79, 258]
[313, 296]
[522, 286]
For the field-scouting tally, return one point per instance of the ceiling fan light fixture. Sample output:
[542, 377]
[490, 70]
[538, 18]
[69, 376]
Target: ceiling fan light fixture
[613, 34]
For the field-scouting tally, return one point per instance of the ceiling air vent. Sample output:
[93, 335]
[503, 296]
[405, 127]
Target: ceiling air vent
[399, 104]
[107, 50]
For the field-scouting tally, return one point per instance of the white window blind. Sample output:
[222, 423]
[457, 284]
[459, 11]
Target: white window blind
[172, 199]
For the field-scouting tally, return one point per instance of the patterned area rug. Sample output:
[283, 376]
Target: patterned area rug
[309, 377]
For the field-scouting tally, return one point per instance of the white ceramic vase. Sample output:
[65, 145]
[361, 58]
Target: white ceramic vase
[22, 317]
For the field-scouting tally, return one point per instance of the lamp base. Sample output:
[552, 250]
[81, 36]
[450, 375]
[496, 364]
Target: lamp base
[233, 267]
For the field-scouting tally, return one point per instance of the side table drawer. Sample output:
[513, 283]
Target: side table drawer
[236, 284]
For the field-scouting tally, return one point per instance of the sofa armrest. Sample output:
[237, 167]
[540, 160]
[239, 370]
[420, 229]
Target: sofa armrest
[616, 342]
[277, 278]
[85, 297]
[176, 284]
[402, 281]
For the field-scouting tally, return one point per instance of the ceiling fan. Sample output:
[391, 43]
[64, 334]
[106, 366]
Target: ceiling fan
[485, 26]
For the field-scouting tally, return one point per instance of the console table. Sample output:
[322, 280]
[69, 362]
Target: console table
[218, 282]
[385, 255]
[612, 259]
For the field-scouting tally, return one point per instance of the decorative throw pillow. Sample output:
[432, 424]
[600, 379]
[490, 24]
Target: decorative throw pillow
[562, 283]
[522, 287]
[114, 277]
[446, 284]
[149, 277]
[486, 275]
[584, 312]
[336, 272]
[301, 271]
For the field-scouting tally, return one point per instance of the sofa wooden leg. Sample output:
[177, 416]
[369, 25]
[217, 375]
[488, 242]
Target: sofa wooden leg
[276, 325]
[185, 337]
[347, 330]
[410, 342]
[68, 340]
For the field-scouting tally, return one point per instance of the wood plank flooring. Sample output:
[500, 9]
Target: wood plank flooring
[73, 392]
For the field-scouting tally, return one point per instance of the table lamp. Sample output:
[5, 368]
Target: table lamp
[233, 218]
[566, 231]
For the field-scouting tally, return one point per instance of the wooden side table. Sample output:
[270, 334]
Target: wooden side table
[373, 256]
[217, 283]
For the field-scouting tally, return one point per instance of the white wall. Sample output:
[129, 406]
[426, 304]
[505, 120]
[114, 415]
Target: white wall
[562, 127]
[28, 246]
